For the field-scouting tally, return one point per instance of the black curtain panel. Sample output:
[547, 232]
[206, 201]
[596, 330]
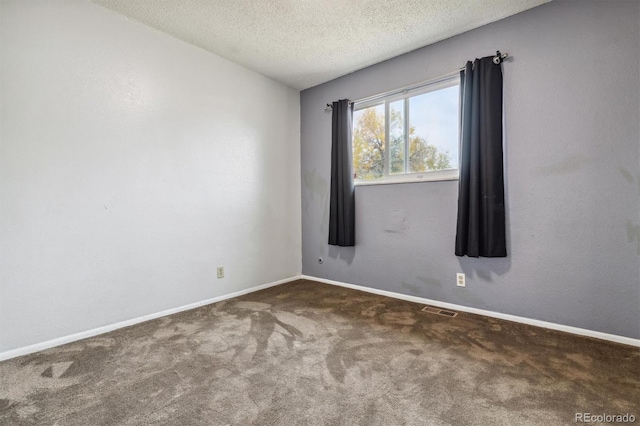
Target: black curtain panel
[481, 213]
[342, 214]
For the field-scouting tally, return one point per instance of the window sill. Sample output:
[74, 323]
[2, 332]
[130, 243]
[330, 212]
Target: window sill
[443, 175]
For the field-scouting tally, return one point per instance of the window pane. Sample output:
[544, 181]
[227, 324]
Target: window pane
[396, 137]
[433, 130]
[368, 142]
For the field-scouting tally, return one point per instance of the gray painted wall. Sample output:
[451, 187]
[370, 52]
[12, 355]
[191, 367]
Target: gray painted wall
[572, 108]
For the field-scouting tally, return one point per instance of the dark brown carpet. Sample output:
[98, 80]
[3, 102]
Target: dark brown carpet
[305, 353]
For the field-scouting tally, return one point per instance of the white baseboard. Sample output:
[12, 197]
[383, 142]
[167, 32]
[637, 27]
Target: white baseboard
[105, 329]
[514, 318]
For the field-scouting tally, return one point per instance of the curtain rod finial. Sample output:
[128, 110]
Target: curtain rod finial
[499, 58]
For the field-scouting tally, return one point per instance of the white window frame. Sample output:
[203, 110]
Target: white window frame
[396, 95]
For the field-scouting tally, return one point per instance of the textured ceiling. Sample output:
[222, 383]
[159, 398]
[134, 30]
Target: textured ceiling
[302, 43]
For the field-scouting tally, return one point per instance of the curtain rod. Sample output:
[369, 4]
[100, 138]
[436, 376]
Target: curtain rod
[497, 59]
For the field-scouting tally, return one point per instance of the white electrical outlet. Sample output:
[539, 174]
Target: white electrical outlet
[220, 271]
[460, 280]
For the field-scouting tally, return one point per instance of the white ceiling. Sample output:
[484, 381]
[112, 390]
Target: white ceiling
[303, 43]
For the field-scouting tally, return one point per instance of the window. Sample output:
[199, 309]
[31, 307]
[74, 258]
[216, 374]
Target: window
[409, 135]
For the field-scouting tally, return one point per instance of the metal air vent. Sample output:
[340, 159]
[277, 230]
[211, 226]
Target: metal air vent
[438, 311]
